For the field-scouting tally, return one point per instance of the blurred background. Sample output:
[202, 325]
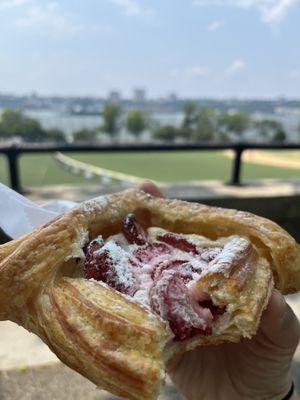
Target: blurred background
[201, 96]
[135, 71]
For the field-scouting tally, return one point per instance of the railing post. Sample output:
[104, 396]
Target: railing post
[236, 166]
[14, 175]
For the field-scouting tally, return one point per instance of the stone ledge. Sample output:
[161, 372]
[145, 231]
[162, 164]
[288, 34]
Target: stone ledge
[278, 200]
[58, 382]
[192, 191]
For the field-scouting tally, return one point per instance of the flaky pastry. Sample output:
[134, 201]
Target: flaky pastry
[122, 284]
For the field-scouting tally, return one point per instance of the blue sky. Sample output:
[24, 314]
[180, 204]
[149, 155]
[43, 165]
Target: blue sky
[195, 48]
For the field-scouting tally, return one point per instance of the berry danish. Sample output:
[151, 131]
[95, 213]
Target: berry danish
[121, 285]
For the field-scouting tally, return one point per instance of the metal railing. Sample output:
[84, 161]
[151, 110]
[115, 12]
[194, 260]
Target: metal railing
[13, 152]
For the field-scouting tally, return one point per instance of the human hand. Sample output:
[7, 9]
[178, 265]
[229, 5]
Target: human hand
[253, 369]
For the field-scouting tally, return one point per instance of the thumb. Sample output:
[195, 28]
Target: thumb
[279, 323]
[151, 188]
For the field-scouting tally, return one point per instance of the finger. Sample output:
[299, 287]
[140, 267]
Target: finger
[279, 323]
[151, 188]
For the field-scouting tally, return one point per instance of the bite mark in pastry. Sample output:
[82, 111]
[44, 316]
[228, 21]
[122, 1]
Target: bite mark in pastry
[122, 284]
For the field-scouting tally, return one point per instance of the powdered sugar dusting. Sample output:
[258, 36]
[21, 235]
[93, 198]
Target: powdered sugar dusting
[99, 203]
[231, 252]
[120, 260]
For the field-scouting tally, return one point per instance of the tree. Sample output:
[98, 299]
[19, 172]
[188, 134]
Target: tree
[206, 125]
[270, 130]
[55, 135]
[111, 119]
[236, 123]
[10, 123]
[15, 124]
[136, 122]
[279, 136]
[189, 123]
[85, 135]
[166, 133]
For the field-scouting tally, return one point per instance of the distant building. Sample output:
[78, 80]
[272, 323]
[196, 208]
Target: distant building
[139, 95]
[172, 97]
[114, 96]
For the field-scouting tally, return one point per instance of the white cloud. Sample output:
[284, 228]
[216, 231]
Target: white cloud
[236, 66]
[5, 4]
[196, 72]
[272, 11]
[214, 25]
[131, 7]
[278, 12]
[48, 18]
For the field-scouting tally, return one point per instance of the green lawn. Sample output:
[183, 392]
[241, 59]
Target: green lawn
[44, 170]
[3, 170]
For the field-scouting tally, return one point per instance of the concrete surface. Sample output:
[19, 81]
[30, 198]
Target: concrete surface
[57, 382]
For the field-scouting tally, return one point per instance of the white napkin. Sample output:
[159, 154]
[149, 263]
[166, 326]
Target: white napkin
[19, 215]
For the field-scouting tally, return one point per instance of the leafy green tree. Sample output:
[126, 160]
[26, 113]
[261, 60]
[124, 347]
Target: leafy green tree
[167, 133]
[223, 136]
[14, 123]
[236, 123]
[199, 124]
[189, 123]
[85, 135]
[55, 135]
[266, 127]
[279, 136]
[206, 125]
[270, 130]
[11, 123]
[136, 122]
[111, 115]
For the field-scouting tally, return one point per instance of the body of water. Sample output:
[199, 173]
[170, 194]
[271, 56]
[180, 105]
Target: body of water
[70, 123]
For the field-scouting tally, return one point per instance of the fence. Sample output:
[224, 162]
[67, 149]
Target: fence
[13, 152]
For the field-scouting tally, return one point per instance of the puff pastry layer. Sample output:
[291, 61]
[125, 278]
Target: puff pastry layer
[115, 342]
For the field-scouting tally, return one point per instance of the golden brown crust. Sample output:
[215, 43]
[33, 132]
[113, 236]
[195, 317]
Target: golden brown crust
[115, 343]
[103, 335]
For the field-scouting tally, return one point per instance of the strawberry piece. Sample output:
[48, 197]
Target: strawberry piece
[166, 265]
[94, 245]
[170, 299]
[178, 242]
[133, 231]
[96, 266]
[108, 264]
[149, 252]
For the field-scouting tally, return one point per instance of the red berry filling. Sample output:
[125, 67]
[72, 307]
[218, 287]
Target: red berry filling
[170, 299]
[109, 264]
[148, 266]
[133, 231]
[149, 252]
[179, 242]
